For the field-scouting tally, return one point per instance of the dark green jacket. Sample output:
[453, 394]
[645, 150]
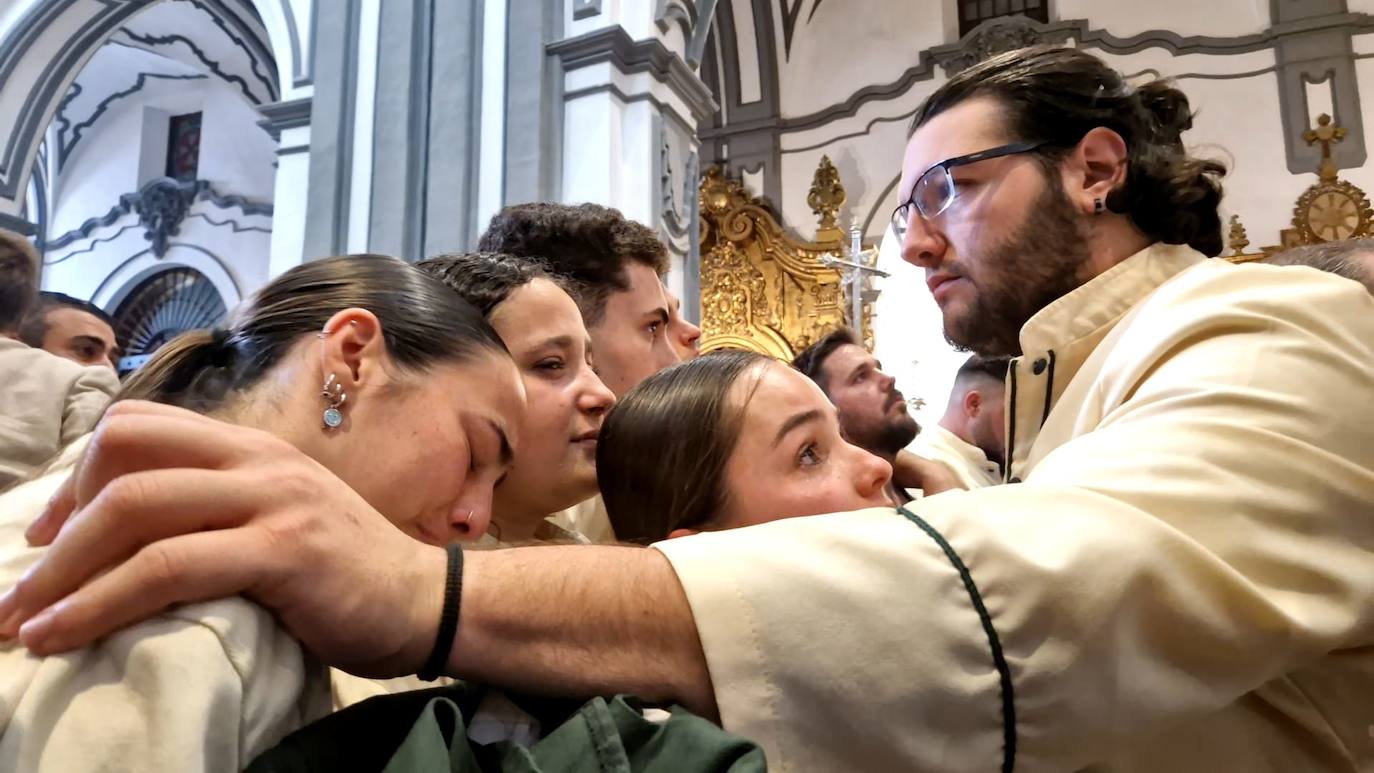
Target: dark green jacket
[426, 731]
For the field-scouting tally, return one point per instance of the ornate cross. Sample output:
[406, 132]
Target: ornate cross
[1326, 134]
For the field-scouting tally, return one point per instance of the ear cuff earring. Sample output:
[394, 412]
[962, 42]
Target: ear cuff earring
[334, 397]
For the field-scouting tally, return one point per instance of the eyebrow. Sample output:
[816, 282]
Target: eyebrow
[563, 341]
[805, 417]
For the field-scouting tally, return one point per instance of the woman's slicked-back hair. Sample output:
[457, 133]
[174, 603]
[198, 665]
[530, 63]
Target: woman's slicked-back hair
[487, 279]
[663, 449]
[423, 324]
[1057, 95]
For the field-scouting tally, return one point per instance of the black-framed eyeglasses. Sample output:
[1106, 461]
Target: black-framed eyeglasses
[934, 190]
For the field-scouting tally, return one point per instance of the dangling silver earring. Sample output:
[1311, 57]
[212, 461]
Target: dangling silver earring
[1098, 207]
[333, 394]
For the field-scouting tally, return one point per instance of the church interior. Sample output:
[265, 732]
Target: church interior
[168, 158]
[690, 385]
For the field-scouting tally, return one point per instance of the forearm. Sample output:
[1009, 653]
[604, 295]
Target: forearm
[580, 620]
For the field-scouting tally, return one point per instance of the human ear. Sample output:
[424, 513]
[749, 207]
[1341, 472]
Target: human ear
[973, 403]
[1096, 167]
[353, 350]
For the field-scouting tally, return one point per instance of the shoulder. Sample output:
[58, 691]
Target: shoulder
[1216, 290]
[1254, 309]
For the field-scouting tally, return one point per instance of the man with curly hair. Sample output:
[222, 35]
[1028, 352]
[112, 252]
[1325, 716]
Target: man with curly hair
[616, 265]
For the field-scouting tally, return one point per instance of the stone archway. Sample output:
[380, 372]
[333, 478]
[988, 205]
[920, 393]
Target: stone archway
[45, 50]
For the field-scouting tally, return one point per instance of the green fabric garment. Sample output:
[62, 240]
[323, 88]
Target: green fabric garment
[426, 732]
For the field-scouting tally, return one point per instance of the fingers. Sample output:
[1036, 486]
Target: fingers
[183, 569]
[60, 507]
[44, 530]
[138, 435]
[134, 510]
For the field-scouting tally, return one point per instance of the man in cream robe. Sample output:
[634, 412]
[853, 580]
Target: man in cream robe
[971, 437]
[1179, 484]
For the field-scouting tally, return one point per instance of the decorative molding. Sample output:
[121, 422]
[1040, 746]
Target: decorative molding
[683, 13]
[258, 52]
[693, 17]
[951, 55]
[674, 204]
[585, 9]
[149, 42]
[58, 71]
[790, 15]
[300, 67]
[231, 201]
[65, 148]
[85, 25]
[161, 205]
[614, 45]
[237, 227]
[279, 116]
[88, 248]
[995, 36]
[17, 224]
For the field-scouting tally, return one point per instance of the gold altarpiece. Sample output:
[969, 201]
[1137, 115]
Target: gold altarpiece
[761, 289]
[1329, 210]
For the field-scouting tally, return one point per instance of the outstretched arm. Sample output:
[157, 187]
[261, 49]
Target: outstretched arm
[187, 508]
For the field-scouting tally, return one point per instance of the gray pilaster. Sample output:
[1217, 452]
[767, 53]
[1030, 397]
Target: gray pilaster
[534, 103]
[1312, 43]
[335, 67]
[454, 127]
[745, 136]
[424, 155]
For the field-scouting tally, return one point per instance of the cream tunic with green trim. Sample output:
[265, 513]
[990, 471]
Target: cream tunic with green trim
[1184, 581]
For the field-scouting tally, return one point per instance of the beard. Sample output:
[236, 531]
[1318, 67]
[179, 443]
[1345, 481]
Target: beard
[1038, 263]
[886, 436]
[895, 435]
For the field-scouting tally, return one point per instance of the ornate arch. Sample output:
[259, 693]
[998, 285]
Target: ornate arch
[51, 43]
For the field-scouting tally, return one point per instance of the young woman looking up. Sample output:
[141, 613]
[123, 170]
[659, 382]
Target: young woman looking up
[729, 439]
[372, 368]
[539, 322]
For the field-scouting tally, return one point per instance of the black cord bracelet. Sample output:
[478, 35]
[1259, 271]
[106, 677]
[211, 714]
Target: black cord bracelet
[448, 620]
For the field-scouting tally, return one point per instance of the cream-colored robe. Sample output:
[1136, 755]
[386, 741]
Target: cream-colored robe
[967, 461]
[1184, 581]
[46, 402]
[588, 519]
[204, 687]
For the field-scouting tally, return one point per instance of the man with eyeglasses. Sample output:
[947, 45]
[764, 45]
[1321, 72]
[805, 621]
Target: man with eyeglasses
[1179, 577]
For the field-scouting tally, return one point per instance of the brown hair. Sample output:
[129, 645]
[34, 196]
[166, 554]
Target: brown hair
[811, 360]
[587, 243]
[1057, 95]
[423, 323]
[18, 279]
[661, 457]
[487, 279]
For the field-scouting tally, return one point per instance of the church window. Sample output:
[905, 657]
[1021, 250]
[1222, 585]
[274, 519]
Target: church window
[183, 147]
[975, 12]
